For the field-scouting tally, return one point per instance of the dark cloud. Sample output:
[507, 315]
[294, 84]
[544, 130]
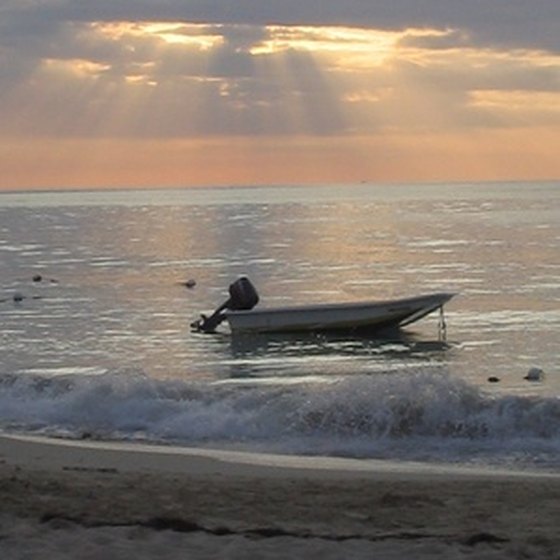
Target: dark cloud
[509, 23]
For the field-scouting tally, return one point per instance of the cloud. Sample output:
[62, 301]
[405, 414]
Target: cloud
[505, 23]
[196, 69]
[498, 22]
[166, 80]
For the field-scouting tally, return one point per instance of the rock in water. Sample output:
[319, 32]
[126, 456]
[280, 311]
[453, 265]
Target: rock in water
[534, 374]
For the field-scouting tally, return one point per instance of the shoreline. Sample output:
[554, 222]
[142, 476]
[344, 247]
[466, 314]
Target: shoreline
[44, 453]
[177, 503]
[30, 452]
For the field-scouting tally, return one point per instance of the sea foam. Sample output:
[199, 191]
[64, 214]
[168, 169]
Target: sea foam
[413, 415]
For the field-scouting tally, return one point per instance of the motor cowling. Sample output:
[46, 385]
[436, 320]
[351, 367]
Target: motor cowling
[242, 295]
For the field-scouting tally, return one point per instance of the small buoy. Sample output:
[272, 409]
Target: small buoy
[493, 379]
[190, 284]
[37, 278]
[534, 374]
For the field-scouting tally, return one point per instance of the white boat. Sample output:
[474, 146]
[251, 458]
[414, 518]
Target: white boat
[239, 310]
[360, 316]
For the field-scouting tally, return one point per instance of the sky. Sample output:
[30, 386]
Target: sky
[139, 93]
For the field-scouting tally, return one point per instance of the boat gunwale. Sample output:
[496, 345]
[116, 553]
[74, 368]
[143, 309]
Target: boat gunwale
[444, 297]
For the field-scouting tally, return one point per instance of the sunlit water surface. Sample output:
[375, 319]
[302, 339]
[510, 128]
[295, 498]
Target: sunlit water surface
[101, 346]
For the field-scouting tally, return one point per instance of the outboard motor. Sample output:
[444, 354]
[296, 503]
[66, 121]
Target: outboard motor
[242, 295]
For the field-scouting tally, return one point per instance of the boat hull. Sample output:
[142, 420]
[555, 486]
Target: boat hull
[363, 316]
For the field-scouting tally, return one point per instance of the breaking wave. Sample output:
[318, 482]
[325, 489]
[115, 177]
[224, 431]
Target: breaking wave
[408, 416]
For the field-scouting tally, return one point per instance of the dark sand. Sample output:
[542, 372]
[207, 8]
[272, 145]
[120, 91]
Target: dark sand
[93, 501]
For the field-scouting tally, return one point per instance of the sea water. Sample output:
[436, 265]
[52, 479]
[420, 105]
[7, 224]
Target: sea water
[95, 337]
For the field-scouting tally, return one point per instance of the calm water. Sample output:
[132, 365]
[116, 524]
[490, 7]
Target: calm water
[102, 345]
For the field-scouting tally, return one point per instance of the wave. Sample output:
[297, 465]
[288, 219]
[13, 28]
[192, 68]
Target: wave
[412, 416]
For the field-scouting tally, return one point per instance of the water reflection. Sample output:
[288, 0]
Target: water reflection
[303, 354]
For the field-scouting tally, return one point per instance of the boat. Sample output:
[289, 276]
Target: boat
[366, 316]
[359, 316]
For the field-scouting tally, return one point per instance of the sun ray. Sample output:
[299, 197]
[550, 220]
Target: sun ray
[335, 94]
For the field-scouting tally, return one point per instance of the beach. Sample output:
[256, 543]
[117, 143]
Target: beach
[62, 499]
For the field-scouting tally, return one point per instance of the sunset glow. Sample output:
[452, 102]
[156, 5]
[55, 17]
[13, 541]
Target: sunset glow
[230, 103]
[171, 33]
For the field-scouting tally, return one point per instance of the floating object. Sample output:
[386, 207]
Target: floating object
[190, 284]
[493, 379]
[18, 297]
[534, 374]
[354, 317]
[40, 278]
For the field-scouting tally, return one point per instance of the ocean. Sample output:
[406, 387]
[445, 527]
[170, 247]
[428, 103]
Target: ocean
[95, 320]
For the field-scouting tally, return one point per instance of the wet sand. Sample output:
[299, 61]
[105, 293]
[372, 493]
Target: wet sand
[90, 500]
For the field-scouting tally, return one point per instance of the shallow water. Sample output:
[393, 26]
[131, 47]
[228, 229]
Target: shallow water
[102, 345]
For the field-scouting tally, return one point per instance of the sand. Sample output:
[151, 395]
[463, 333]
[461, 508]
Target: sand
[92, 500]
